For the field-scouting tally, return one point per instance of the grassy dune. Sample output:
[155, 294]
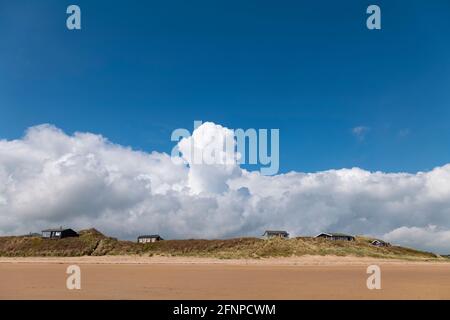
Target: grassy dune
[91, 242]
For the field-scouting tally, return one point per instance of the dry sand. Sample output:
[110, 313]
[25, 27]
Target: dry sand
[307, 277]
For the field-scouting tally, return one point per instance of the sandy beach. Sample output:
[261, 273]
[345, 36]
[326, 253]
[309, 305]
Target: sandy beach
[309, 277]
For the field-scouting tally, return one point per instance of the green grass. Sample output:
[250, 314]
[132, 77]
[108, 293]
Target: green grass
[92, 242]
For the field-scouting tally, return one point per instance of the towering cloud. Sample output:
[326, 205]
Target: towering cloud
[210, 154]
[48, 178]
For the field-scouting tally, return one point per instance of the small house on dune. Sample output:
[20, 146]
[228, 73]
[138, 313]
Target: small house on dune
[336, 236]
[275, 234]
[380, 243]
[149, 238]
[58, 233]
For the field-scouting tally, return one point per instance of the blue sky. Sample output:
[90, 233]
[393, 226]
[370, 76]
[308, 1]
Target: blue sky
[137, 70]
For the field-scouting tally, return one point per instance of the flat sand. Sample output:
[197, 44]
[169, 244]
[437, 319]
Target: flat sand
[307, 277]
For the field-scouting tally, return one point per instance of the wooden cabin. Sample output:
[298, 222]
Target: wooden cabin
[58, 233]
[275, 234]
[336, 236]
[149, 238]
[380, 243]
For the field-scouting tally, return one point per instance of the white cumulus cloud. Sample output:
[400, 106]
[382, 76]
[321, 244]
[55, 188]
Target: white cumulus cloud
[49, 178]
[428, 237]
[210, 153]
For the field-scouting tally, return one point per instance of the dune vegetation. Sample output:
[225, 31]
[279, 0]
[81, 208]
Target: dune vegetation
[93, 243]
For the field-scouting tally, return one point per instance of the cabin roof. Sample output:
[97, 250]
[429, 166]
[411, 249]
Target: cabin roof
[335, 234]
[56, 229]
[275, 232]
[378, 240]
[150, 236]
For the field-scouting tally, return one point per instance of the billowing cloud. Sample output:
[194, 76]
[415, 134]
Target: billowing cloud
[428, 237]
[210, 153]
[49, 178]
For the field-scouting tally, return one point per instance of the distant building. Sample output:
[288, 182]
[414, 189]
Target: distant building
[380, 243]
[149, 238]
[58, 233]
[32, 235]
[336, 236]
[275, 234]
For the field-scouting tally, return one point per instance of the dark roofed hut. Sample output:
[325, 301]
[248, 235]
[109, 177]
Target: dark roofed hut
[58, 233]
[380, 243]
[149, 238]
[275, 234]
[336, 236]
